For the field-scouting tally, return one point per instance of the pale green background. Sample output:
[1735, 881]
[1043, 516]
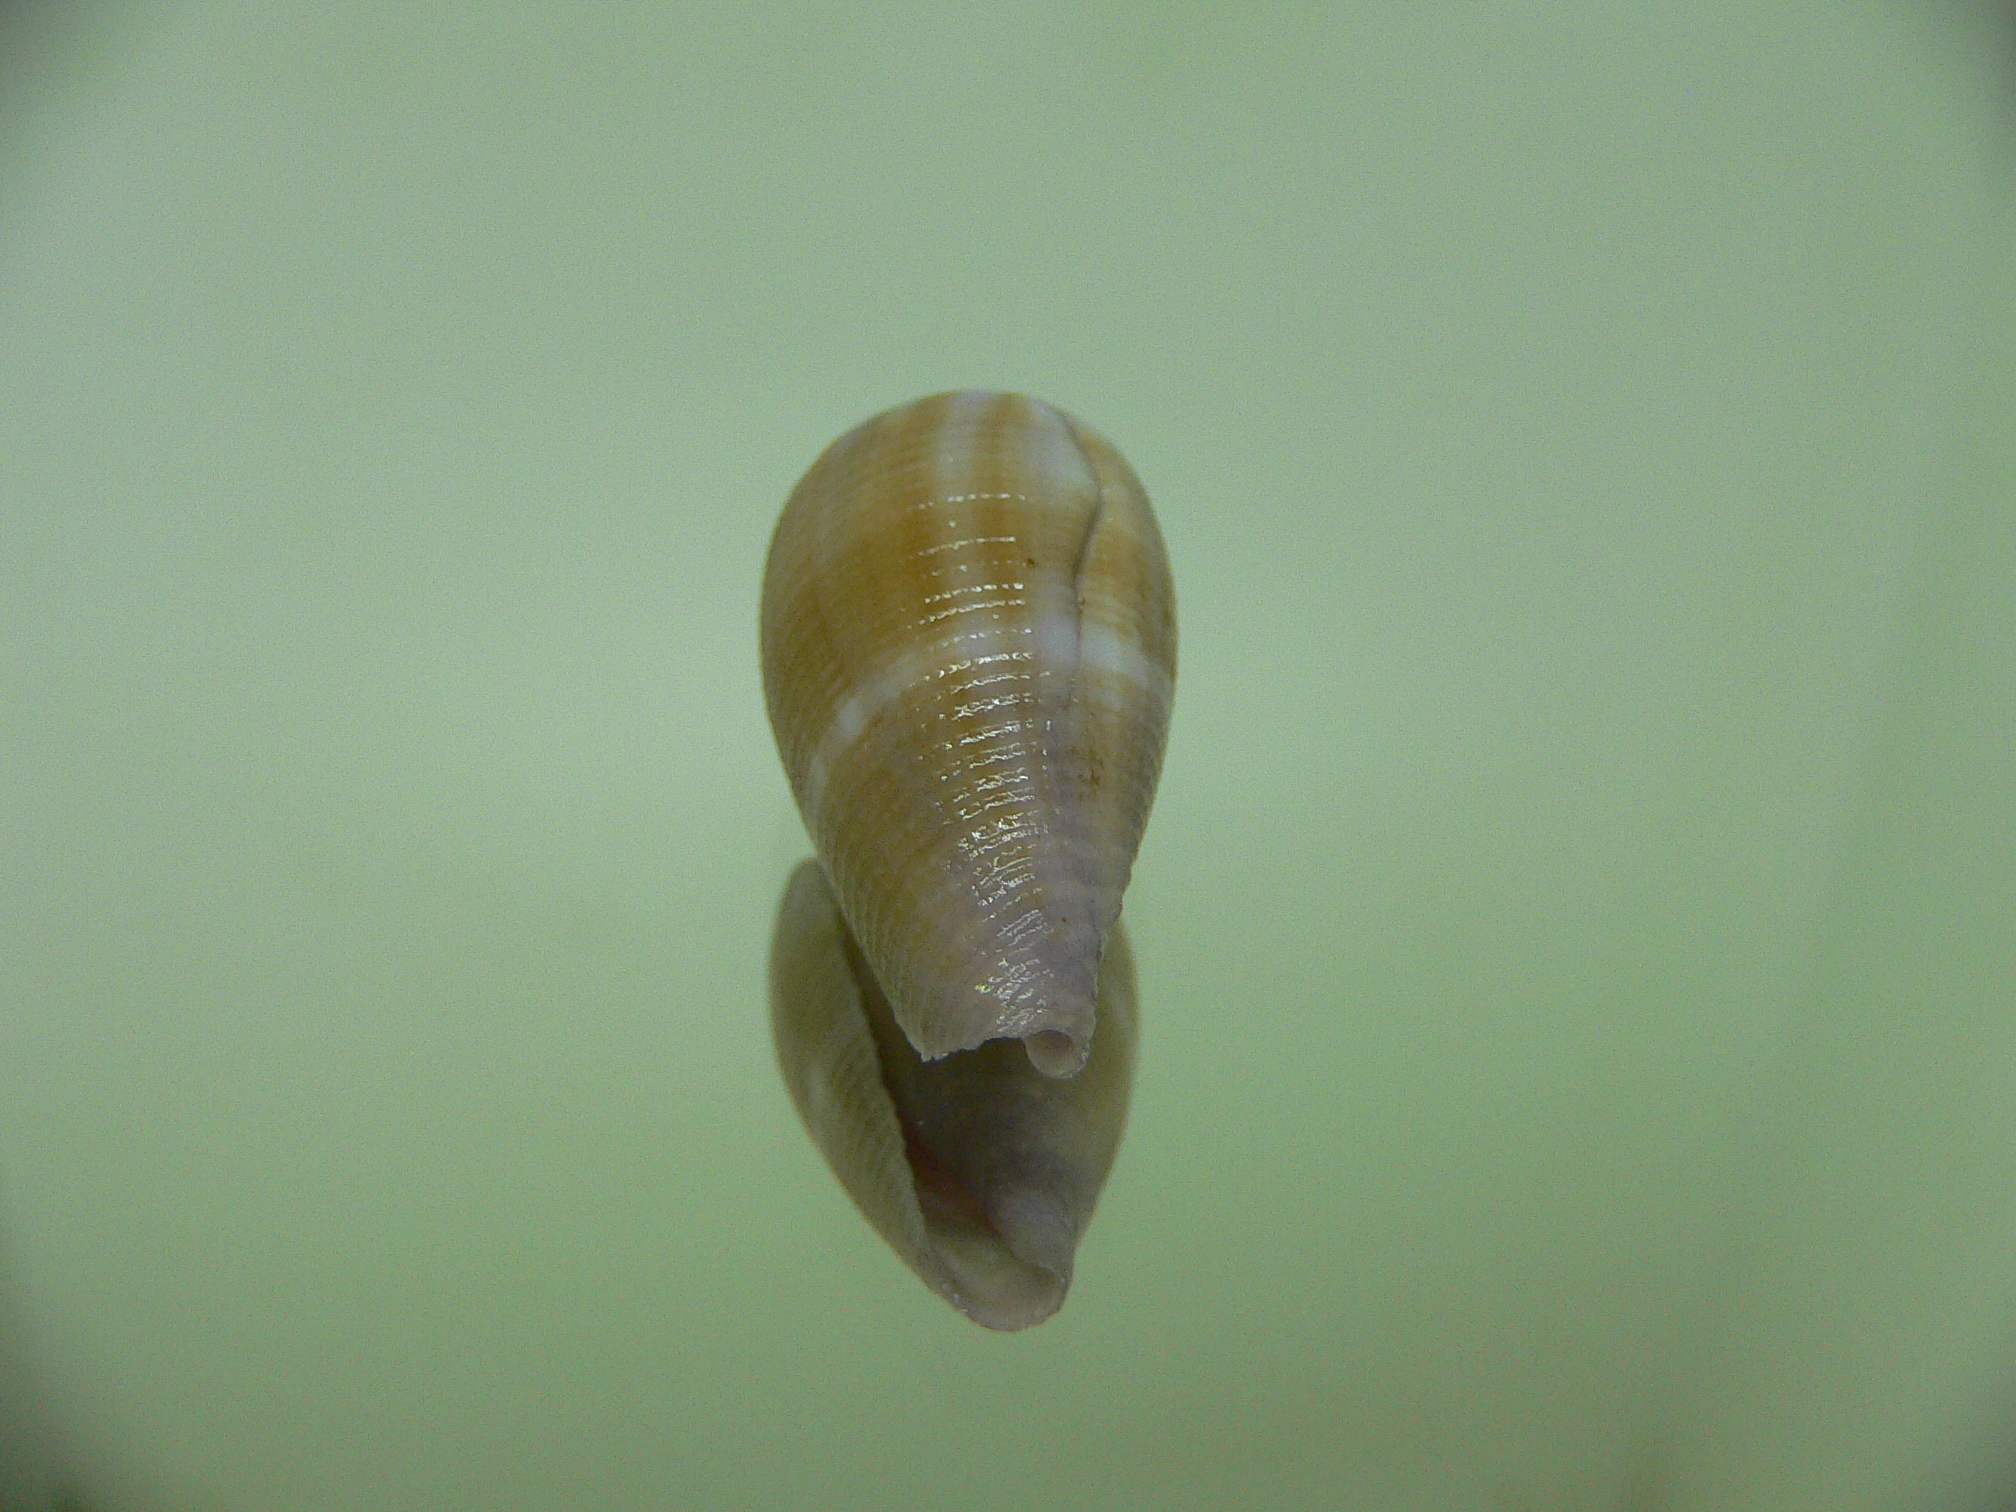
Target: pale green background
[1578, 928]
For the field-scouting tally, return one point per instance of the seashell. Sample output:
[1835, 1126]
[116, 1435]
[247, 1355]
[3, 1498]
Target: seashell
[979, 1171]
[969, 651]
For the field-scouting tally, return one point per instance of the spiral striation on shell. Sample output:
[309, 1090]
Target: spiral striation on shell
[969, 652]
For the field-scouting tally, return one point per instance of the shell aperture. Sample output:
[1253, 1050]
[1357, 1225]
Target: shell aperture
[979, 1171]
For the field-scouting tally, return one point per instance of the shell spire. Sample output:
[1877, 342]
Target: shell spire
[969, 652]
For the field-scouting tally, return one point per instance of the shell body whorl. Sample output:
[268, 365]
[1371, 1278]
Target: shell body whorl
[969, 652]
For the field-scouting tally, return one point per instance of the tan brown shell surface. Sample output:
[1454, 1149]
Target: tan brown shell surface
[979, 1171]
[969, 652]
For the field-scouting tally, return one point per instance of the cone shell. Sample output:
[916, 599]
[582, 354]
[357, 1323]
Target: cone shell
[969, 651]
[979, 1171]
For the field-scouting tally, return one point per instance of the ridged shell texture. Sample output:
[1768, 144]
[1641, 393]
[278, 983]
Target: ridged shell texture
[969, 652]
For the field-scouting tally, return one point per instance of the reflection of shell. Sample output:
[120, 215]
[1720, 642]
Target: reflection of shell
[980, 1172]
[969, 647]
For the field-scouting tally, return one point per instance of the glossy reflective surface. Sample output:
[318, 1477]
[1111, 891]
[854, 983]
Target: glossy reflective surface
[1576, 928]
[969, 654]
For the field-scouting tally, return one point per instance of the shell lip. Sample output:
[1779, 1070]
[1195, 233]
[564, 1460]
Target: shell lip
[1053, 1010]
[1057, 1054]
[1014, 1272]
